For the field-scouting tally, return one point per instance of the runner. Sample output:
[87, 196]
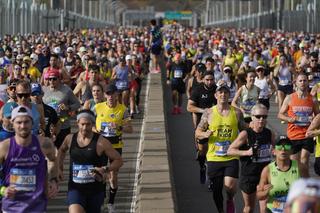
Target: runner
[298, 110]
[304, 196]
[120, 75]
[18, 194]
[88, 170]
[278, 176]
[112, 119]
[265, 85]
[253, 146]
[220, 124]
[155, 46]
[247, 95]
[61, 98]
[98, 97]
[176, 77]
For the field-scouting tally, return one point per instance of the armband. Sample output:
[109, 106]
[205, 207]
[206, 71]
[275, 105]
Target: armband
[2, 190]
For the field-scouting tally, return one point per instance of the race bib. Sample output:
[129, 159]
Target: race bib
[302, 119]
[107, 130]
[122, 84]
[283, 81]
[247, 106]
[177, 73]
[264, 154]
[81, 174]
[23, 179]
[278, 204]
[222, 148]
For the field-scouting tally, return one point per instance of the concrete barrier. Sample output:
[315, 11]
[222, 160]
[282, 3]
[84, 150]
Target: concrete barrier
[154, 187]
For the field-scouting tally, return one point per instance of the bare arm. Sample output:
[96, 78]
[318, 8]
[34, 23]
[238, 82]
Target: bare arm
[314, 90]
[111, 153]
[284, 108]
[49, 151]
[264, 185]
[315, 106]
[78, 88]
[126, 126]
[314, 129]
[189, 87]
[234, 148]
[62, 151]
[42, 118]
[236, 98]
[202, 131]
[241, 123]
[191, 107]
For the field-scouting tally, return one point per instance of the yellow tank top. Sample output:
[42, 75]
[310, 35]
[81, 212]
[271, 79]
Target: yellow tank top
[106, 74]
[225, 131]
[107, 118]
[317, 152]
[230, 61]
[318, 93]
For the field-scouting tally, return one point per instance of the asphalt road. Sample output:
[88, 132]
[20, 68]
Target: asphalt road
[190, 195]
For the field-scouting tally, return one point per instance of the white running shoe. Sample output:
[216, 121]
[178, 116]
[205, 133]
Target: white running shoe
[111, 208]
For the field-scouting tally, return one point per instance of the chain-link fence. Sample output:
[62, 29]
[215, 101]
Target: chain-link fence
[25, 16]
[303, 15]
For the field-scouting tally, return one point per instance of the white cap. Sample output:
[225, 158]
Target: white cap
[304, 186]
[83, 49]
[128, 57]
[21, 111]
[70, 49]
[57, 50]
[246, 59]
[259, 67]
[34, 57]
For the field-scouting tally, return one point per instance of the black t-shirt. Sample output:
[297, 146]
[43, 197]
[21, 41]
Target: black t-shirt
[51, 117]
[177, 71]
[203, 98]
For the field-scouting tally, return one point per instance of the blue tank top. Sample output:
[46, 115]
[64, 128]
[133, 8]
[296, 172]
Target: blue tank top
[25, 168]
[122, 81]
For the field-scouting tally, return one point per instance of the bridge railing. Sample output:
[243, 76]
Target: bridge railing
[284, 14]
[23, 17]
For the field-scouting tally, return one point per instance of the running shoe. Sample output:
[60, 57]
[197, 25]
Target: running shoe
[174, 111]
[230, 206]
[203, 174]
[283, 122]
[179, 110]
[210, 186]
[111, 208]
[137, 109]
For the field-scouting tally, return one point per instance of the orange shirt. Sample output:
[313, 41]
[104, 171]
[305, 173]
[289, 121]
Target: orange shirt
[302, 110]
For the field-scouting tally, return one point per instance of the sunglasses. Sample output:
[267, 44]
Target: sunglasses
[313, 60]
[24, 67]
[285, 147]
[259, 70]
[17, 68]
[12, 88]
[23, 95]
[52, 79]
[261, 116]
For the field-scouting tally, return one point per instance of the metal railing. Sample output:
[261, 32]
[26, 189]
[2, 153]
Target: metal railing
[27, 16]
[273, 14]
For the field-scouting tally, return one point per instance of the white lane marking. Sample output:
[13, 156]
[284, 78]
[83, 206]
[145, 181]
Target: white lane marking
[139, 154]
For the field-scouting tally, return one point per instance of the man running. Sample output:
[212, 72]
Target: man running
[298, 110]
[28, 162]
[220, 124]
[112, 119]
[88, 159]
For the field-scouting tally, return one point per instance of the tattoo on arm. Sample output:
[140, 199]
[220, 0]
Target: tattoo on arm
[204, 121]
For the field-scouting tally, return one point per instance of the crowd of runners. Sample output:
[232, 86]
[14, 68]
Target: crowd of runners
[95, 76]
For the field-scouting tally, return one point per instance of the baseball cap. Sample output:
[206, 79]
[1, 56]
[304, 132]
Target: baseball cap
[201, 67]
[111, 88]
[304, 186]
[34, 57]
[70, 49]
[227, 68]
[26, 58]
[246, 59]
[83, 49]
[222, 86]
[53, 73]
[36, 89]
[283, 140]
[57, 50]
[20, 111]
[7, 109]
[128, 57]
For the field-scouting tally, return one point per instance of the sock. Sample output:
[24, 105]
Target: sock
[112, 195]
